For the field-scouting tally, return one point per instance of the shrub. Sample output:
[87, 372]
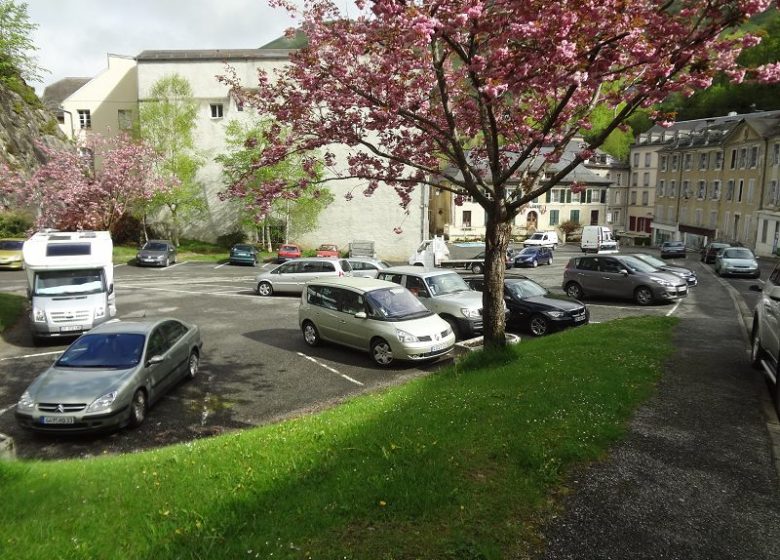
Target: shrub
[15, 224]
[227, 240]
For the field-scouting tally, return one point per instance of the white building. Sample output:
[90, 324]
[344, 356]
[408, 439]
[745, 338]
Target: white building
[110, 102]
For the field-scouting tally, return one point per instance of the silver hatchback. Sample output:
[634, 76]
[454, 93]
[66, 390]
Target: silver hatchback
[376, 316]
[291, 276]
[621, 276]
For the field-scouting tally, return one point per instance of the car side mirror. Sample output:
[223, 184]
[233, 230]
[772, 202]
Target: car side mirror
[154, 360]
[623, 271]
[774, 293]
[360, 315]
[110, 289]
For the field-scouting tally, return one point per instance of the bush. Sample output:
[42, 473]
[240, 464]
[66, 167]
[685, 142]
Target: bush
[127, 231]
[15, 224]
[227, 240]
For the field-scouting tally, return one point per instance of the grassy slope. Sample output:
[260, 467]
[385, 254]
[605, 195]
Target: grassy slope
[461, 464]
[11, 308]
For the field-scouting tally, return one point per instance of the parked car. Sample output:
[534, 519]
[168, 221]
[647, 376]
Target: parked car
[366, 267]
[156, 252]
[737, 261]
[534, 256]
[288, 251]
[11, 253]
[542, 239]
[685, 273]
[620, 276]
[110, 376]
[534, 307]
[291, 276]
[328, 250]
[765, 334]
[710, 250]
[673, 249]
[243, 253]
[479, 267]
[374, 316]
[443, 292]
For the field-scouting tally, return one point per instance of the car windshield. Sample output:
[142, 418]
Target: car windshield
[450, 283]
[396, 303]
[528, 251]
[110, 351]
[737, 254]
[289, 248]
[328, 248]
[11, 245]
[150, 246]
[68, 282]
[537, 236]
[526, 288]
[674, 244]
[637, 265]
[242, 247]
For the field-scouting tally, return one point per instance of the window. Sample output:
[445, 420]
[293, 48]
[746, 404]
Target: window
[645, 179]
[773, 192]
[467, 218]
[85, 118]
[645, 198]
[684, 215]
[672, 189]
[216, 110]
[716, 190]
[685, 190]
[699, 214]
[740, 189]
[634, 179]
[703, 160]
[125, 119]
[714, 219]
[615, 197]
[754, 156]
[663, 163]
[670, 214]
[636, 159]
[702, 190]
[730, 190]
[733, 164]
[351, 302]
[718, 160]
[742, 157]
[688, 161]
[633, 198]
[554, 217]
[776, 154]
[751, 190]
[660, 188]
[647, 159]
[574, 216]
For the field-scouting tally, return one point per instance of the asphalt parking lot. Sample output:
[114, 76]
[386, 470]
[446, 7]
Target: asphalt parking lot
[255, 368]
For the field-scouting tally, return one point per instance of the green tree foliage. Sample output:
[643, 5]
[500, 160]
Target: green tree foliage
[16, 46]
[723, 96]
[167, 122]
[293, 216]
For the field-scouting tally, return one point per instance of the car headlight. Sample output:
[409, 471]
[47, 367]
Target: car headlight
[555, 314]
[102, 403]
[661, 281]
[138, 256]
[39, 316]
[26, 401]
[405, 337]
[471, 313]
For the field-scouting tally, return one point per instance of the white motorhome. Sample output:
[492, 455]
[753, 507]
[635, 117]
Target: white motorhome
[70, 281]
[597, 239]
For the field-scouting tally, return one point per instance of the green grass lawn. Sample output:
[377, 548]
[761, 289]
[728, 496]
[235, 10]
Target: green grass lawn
[188, 250]
[462, 464]
[11, 308]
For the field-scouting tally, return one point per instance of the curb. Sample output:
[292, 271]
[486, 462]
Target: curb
[757, 378]
[7, 448]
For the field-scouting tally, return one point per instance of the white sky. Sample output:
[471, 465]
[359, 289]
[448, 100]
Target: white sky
[74, 36]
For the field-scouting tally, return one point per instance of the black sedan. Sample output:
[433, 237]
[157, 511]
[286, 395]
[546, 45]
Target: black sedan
[533, 307]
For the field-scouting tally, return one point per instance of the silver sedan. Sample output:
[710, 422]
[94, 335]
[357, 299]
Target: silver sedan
[110, 376]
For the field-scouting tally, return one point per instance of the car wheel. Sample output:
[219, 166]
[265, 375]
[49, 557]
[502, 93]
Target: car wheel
[756, 353]
[254, 262]
[539, 325]
[264, 289]
[311, 335]
[381, 352]
[643, 295]
[192, 365]
[167, 261]
[454, 326]
[534, 263]
[555, 247]
[138, 408]
[574, 290]
[550, 260]
[477, 268]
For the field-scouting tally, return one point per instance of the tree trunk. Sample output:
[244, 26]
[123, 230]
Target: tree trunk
[497, 236]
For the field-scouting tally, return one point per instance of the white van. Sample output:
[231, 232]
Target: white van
[70, 281]
[598, 239]
[542, 239]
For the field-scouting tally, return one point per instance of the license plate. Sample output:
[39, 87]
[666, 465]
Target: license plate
[438, 347]
[71, 328]
[580, 318]
[57, 420]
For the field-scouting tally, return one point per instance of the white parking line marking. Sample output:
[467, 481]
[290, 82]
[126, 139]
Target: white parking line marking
[220, 266]
[31, 356]
[347, 377]
[673, 309]
[6, 409]
[226, 294]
